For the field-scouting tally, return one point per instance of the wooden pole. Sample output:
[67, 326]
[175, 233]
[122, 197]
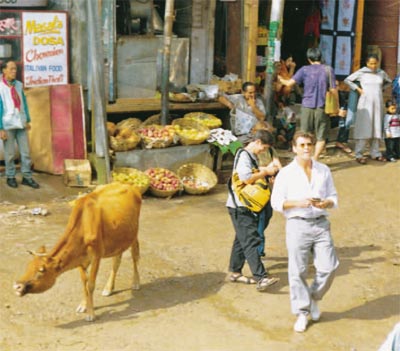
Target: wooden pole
[358, 38]
[251, 19]
[97, 89]
[168, 22]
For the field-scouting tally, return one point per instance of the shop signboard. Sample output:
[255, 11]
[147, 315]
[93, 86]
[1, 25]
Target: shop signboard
[45, 48]
[23, 3]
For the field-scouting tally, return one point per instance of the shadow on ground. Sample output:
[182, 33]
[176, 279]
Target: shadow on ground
[159, 294]
[381, 308]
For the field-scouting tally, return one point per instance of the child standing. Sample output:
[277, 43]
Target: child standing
[391, 129]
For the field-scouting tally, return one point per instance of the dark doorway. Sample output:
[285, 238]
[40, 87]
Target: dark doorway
[296, 38]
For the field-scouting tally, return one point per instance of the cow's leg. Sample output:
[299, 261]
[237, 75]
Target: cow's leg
[109, 287]
[135, 260]
[94, 268]
[82, 306]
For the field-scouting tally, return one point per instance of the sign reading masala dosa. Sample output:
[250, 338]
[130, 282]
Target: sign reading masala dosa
[45, 48]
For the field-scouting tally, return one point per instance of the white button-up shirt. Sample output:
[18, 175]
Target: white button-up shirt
[292, 184]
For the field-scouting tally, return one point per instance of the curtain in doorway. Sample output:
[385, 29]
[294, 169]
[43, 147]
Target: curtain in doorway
[338, 34]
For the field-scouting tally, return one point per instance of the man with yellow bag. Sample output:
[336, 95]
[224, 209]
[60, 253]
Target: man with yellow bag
[248, 195]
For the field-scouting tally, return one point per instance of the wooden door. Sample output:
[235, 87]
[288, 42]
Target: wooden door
[381, 28]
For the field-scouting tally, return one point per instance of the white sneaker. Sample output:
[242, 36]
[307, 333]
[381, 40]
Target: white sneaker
[314, 311]
[301, 324]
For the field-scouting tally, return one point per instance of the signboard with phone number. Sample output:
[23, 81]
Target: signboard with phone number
[45, 48]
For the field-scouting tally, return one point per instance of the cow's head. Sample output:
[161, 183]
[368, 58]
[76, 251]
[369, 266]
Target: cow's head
[40, 275]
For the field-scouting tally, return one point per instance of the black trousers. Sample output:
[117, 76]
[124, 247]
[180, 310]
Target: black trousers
[392, 148]
[247, 240]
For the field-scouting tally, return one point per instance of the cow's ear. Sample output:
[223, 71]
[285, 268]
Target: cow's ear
[41, 252]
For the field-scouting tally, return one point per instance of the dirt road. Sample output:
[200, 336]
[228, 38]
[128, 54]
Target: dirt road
[185, 302]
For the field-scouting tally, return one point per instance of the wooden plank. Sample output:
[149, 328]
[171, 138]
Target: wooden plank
[252, 13]
[153, 104]
[358, 38]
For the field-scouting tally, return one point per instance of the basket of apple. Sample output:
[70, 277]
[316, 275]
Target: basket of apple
[197, 178]
[155, 136]
[163, 182]
[190, 132]
[131, 176]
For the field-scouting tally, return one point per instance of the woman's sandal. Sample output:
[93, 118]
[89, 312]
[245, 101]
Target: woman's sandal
[380, 159]
[344, 148]
[239, 278]
[361, 160]
[347, 150]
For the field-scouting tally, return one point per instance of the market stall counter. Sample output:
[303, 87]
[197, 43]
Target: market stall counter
[171, 158]
[126, 105]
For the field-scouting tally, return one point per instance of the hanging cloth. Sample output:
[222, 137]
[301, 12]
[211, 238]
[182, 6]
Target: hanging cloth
[14, 94]
[312, 23]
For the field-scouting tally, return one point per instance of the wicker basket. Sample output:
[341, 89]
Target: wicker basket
[154, 119]
[124, 144]
[161, 192]
[131, 123]
[198, 135]
[197, 178]
[111, 128]
[227, 87]
[155, 142]
[119, 173]
[206, 119]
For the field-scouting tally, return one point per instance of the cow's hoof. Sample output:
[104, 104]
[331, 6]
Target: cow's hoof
[90, 318]
[106, 292]
[135, 287]
[81, 309]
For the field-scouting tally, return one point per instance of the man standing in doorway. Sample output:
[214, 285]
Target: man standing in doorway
[303, 191]
[314, 78]
[14, 123]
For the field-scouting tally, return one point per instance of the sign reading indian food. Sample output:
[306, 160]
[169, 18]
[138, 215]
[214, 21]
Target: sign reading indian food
[45, 48]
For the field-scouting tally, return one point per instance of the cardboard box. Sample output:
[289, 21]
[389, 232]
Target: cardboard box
[77, 173]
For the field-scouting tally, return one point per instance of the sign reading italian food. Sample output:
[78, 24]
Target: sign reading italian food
[45, 48]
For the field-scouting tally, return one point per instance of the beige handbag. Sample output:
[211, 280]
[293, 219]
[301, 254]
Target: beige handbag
[331, 97]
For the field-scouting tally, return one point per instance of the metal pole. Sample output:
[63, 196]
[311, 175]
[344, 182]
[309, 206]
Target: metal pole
[274, 23]
[108, 14]
[98, 99]
[168, 21]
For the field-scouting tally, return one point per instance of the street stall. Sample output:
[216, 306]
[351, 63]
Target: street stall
[147, 72]
[38, 42]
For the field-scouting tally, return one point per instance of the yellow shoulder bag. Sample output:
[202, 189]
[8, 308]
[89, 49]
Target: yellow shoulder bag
[254, 196]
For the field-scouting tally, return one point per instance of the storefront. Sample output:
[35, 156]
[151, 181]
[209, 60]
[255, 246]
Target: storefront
[345, 30]
[37, 39]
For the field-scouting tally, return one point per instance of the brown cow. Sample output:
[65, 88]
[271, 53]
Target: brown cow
[102, 224]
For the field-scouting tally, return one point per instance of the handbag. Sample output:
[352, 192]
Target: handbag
[253, 196]
[331, 97]
[242, 122]
[14, 120]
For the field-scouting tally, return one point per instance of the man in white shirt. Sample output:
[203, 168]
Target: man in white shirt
[303, 191]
